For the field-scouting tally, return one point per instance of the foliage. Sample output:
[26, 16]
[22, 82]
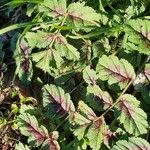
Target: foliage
[75, 75]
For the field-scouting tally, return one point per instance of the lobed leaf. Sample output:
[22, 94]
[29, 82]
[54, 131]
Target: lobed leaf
[133, 118]
[114, 70]
[132, 143]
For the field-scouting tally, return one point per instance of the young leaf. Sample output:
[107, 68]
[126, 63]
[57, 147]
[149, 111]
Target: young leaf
[114, 70]
[132, 143]
[89, 76]
[133, 118]
[80, 15]
[56, 96]
[65, 49]
[102, 95]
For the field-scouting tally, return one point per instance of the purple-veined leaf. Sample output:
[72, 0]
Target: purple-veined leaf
[133, 118]
[51, 143]
[114, 70]
[28, 126]
[147, 71]
[48, 60]
[102, 95]
[89, 76]
[56, 97]
[80, 15]
[137, 33]
[88, 126]
[83, 118]
[109, 135]
[96, 133]
[132, 144]
[24, 64]
[44, 39]
[65, 49]
[53, 8]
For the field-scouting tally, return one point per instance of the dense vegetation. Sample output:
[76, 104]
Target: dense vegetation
[74, 74]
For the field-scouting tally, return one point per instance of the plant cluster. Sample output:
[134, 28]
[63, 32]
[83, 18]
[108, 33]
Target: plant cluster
[81, 75]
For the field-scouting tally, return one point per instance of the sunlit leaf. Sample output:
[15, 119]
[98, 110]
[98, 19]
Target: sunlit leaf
[132, 143]
[133, 118]
[114, 70]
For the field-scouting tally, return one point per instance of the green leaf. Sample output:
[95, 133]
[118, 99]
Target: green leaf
[20, 146]
[102, 95]
[89, 76]
[47, 60]
[133, 118]
[132, 143]
[65, 49]
[28, 126]
[88, 126]
[44, 39]
[95, 134]
[81, 15]
[57, 97]
[53, 8]
[38, 135]
[114, 70]
[86, 111]
[138, 35]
